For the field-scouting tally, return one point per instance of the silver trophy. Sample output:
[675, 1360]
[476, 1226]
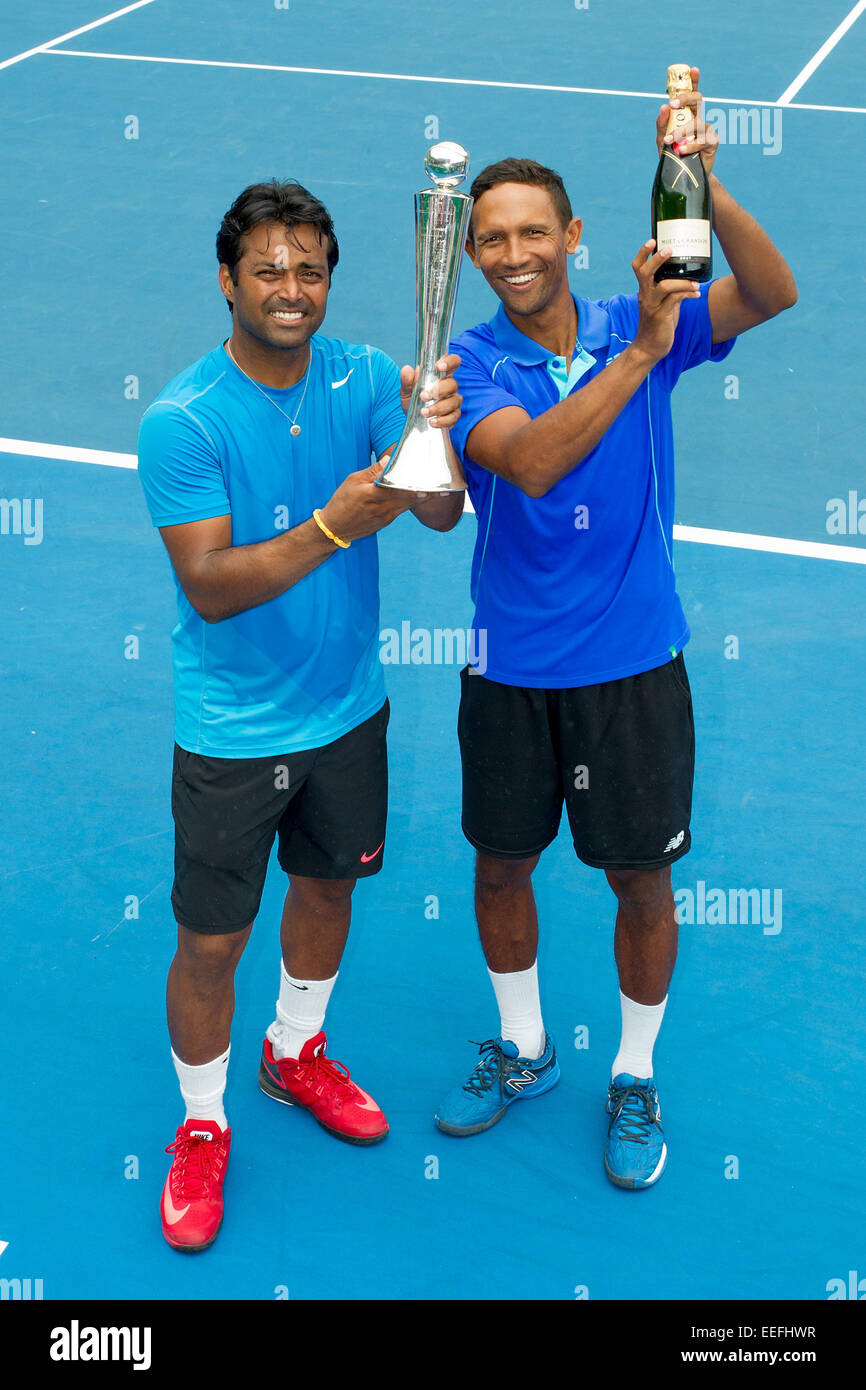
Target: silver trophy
[424, 460]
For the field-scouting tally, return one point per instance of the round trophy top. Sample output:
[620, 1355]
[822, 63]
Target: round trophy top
[447, 163]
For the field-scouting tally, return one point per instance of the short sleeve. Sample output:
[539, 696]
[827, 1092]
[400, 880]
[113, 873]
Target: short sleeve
[481, 394]
[179, 467]
[693, 340]
[386, 417]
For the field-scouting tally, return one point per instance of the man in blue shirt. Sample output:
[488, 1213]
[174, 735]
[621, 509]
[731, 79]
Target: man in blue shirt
[566, 441]
[256, 466]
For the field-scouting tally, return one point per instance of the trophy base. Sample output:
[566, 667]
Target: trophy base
[424, 491]
[424, 461]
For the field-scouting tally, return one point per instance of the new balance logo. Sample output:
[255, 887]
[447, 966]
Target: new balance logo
[517, 1083]
[674, 843]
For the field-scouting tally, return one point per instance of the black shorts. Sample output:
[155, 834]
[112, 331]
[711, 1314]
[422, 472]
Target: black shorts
[620, 755]
[328, 806]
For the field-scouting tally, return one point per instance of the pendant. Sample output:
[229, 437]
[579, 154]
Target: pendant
[295, 430]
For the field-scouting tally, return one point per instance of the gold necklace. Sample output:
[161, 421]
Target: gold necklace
[295, 428]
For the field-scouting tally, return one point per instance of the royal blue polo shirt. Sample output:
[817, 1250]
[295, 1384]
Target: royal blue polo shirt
[578, 586]
[298, 671]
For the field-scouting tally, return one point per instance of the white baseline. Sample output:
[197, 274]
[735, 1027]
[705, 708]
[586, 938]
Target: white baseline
[31, 449]
[739, 540]
[415, 77]
[72, 34]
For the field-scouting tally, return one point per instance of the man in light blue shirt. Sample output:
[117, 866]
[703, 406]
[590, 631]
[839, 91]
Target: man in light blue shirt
[256, 466]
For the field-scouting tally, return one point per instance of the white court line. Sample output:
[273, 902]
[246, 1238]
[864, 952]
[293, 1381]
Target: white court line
[776, 545]
[73, 33]
[739, 540]
[805, 106]
[64, 451]
[413, 77]
[817, 59]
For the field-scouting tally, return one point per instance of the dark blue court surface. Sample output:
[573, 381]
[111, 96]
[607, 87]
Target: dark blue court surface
[117, 171]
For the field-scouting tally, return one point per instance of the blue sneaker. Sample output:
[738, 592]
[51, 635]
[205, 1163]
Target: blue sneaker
[635, 1153]
[499, 1078]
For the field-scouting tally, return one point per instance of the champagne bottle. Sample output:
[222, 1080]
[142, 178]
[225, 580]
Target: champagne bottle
[682, 208]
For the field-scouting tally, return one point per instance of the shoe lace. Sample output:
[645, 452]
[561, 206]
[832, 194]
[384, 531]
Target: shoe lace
[493, 1066]
[197, 1162]
[327, 1071]
[634, 1107]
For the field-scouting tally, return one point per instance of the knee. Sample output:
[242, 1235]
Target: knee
[640, 891]
[210, 958]
[323, 894]
[497, 878]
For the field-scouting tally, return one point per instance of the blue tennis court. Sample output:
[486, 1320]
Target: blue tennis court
[125, 139]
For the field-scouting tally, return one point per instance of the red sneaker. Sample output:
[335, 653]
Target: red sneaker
[192, 1199]
[325, 1088]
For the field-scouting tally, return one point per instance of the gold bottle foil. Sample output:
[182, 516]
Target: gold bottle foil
[681, 122]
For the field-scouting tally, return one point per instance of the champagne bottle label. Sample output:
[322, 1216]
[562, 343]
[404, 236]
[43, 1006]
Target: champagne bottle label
[687, 237]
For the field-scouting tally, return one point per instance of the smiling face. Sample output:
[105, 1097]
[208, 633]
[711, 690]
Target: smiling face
[280, 289]
[521, 247]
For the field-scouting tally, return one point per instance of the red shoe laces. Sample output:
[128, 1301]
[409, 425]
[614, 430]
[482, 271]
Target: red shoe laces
[326, 1071]
[194, 1164]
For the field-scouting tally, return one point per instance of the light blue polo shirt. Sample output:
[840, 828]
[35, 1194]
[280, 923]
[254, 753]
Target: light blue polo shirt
[303, 669]
[578, 587]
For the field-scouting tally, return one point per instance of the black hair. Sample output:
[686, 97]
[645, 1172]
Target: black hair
[288, 203]
[524, 171]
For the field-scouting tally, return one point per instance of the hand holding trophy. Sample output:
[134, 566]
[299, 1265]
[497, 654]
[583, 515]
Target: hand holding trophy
[424, 459]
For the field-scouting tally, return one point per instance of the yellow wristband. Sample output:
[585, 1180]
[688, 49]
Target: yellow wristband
[317, 517]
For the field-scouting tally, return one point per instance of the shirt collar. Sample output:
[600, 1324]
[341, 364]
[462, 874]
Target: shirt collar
[593, 330]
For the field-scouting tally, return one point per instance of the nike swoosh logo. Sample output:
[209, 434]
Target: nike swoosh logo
[335, 385]
[368, 1102]
[365, 858]
[294, 986]
[170, 1211]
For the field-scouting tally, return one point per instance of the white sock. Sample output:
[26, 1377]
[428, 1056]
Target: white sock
[202, 1088]
[300, 1013]
[640, 1028]
[519, 1009]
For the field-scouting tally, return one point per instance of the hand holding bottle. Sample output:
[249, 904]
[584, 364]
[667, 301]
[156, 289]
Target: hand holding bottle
[695, 137]
[658, 302]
